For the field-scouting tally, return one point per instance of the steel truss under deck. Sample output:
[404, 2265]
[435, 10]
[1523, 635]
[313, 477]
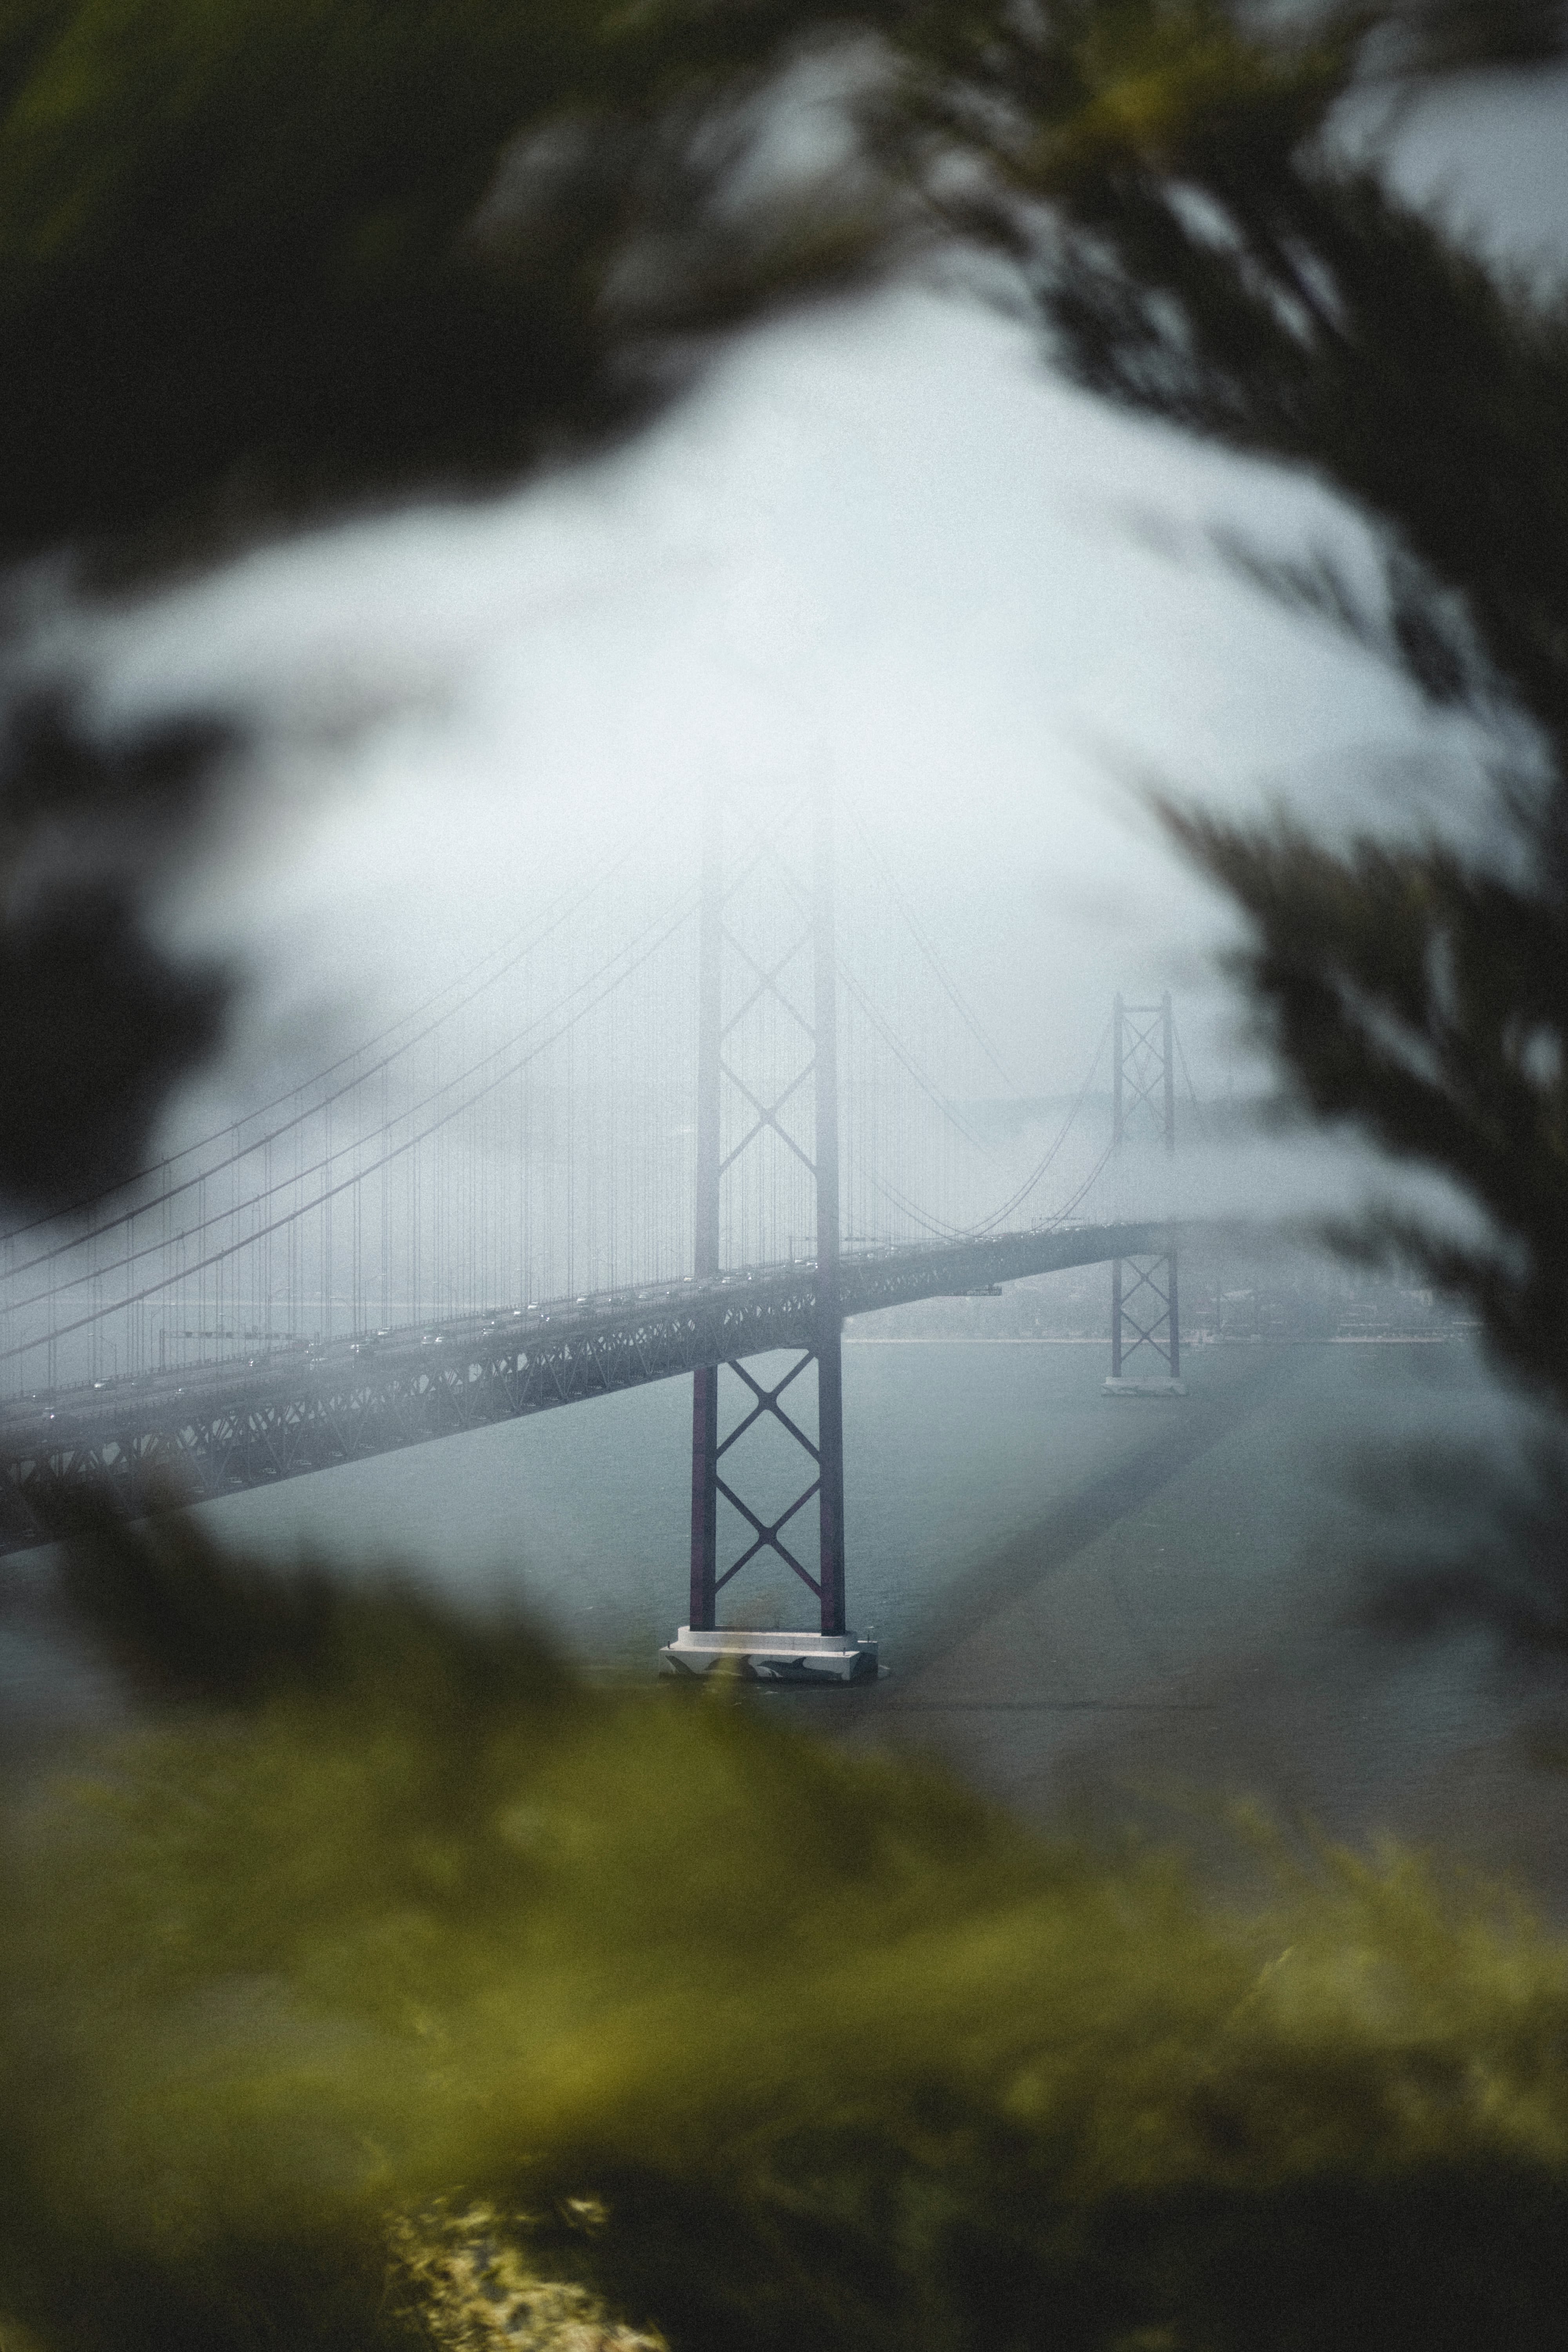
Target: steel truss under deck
[179, 1436]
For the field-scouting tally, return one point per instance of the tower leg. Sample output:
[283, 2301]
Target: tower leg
[704, 1496]
[1175, 1308]
[830, 1452]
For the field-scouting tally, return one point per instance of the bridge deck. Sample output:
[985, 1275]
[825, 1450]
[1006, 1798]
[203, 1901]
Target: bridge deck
[225, 1428]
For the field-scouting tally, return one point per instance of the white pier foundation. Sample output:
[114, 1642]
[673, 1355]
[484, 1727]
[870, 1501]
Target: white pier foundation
[772, 1657]
[1166, 1386]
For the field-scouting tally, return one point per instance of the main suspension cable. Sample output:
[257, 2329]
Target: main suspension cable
[947, 985]
[561, 912]
[1024, 1190]
[289, 1183]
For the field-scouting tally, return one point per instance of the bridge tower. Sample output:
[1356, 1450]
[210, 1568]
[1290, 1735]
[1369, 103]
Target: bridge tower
[798, 976]
[1145, 1297]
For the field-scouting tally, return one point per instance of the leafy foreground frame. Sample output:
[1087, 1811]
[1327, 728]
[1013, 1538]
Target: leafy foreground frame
[388, 1985]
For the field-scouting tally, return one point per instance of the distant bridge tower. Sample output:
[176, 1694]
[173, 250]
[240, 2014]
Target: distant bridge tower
[1145, 1316]
[756, 1087]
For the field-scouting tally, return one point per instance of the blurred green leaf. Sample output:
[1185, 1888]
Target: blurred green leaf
[756, 2041]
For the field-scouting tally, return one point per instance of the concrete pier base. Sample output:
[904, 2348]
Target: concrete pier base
[772, 1657]
[1165, 1387]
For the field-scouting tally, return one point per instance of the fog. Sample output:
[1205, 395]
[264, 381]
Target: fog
[882, 541]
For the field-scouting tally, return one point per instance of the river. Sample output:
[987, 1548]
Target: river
[1079, 1598]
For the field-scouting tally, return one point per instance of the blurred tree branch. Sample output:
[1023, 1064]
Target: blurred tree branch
[272, 262]
[261, 263]
[387, 1985]
[1166, 180]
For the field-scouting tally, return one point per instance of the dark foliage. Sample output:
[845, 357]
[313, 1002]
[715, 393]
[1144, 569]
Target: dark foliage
[1458, 36]
[185, 1621]
[261, 261]
[1424, 999]
[1472, 1538]
[273, 261]
[1165, 178]
[99, 1023]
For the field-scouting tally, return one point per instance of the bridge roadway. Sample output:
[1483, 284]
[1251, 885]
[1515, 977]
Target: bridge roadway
[193, 1434]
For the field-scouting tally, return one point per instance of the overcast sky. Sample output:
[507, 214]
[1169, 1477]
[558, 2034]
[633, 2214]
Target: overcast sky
[880, 537]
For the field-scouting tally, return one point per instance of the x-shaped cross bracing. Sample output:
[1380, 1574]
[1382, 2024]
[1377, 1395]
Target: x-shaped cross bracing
[1141, 1053]
[1143, 1279]
[767, 1536]
[768, 1113]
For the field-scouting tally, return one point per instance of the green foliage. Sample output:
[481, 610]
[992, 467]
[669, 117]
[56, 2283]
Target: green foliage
[463, 2283]
[429, 1977]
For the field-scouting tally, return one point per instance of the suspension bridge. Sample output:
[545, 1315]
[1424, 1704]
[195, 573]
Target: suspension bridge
[653, 1134]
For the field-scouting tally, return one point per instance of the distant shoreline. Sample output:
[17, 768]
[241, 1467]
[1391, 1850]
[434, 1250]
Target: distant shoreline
[1200, 1347]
